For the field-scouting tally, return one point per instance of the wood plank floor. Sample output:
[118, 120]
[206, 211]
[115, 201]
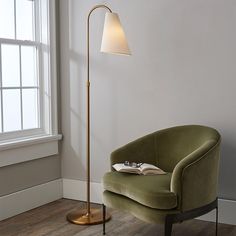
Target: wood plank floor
[50, 220]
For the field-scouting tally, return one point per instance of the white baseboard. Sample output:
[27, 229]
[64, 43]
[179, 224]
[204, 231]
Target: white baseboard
[227, 213]
[76, 189]
[16, 203]
[21, 201]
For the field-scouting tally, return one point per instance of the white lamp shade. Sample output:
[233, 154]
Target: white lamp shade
[113, 39]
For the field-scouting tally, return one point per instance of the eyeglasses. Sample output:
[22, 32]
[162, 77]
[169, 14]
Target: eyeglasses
[132, 164]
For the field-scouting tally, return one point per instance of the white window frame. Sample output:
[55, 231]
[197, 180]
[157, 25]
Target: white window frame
[29, 132]
[25, 145]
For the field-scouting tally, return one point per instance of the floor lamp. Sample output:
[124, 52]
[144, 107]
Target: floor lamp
[113, 41]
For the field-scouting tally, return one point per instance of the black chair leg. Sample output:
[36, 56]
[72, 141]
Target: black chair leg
[168, 226]
[104, 218]
[216, 220]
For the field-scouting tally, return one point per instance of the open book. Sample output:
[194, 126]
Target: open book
[144, 169]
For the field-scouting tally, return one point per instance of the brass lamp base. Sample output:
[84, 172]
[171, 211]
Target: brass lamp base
[80, 217]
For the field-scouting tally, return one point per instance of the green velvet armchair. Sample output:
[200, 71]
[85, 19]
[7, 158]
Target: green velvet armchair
[190, 156]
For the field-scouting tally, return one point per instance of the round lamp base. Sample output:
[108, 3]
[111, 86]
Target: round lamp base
[80, 217]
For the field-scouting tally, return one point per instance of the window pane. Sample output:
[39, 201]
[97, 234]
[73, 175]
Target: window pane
[10, 66]
[7, 29]
[44, 22]
[11, 110]
[25, 19]
[30, 108]
[28, 63]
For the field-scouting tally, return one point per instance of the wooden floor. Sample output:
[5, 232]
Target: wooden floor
[50, 220]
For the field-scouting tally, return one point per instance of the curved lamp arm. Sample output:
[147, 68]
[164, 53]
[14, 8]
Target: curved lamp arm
[88, 33]
[98, 6]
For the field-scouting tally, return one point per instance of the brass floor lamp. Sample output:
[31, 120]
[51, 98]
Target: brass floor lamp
[113, 41]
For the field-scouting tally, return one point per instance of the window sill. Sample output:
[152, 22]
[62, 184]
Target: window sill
[21, 150]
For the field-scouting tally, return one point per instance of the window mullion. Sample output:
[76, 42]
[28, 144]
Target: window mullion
[21, 102]
[36, 20]
[33, 25]
[38, 36]
[38, 75]
[15, 18]
[19, 42]
[23, 87]
[2, 124]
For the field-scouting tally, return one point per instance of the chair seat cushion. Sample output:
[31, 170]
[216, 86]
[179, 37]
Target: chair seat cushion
[152, 191]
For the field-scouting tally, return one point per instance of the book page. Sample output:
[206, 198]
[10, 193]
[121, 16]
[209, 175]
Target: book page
[144, 169]
[128, 169]
[149, 169]
[146, 166]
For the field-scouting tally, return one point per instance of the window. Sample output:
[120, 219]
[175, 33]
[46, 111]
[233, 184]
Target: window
[26, 73]
[28, 85]
[19, 66]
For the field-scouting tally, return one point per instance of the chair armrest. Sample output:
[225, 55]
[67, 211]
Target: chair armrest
[140, 150]
[195, 177]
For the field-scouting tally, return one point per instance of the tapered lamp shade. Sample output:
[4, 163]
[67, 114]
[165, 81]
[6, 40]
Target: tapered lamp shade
[113, 39]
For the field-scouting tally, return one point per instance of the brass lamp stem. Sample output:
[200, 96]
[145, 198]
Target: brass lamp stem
[88, 216]
[88, 103]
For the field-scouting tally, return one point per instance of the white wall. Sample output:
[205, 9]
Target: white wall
[182, 71]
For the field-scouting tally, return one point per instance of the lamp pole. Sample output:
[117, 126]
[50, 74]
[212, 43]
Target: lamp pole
[114, 42]
[88, 102]
[90, 216]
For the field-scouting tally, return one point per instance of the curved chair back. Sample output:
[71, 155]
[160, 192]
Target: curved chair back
[174, 144]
